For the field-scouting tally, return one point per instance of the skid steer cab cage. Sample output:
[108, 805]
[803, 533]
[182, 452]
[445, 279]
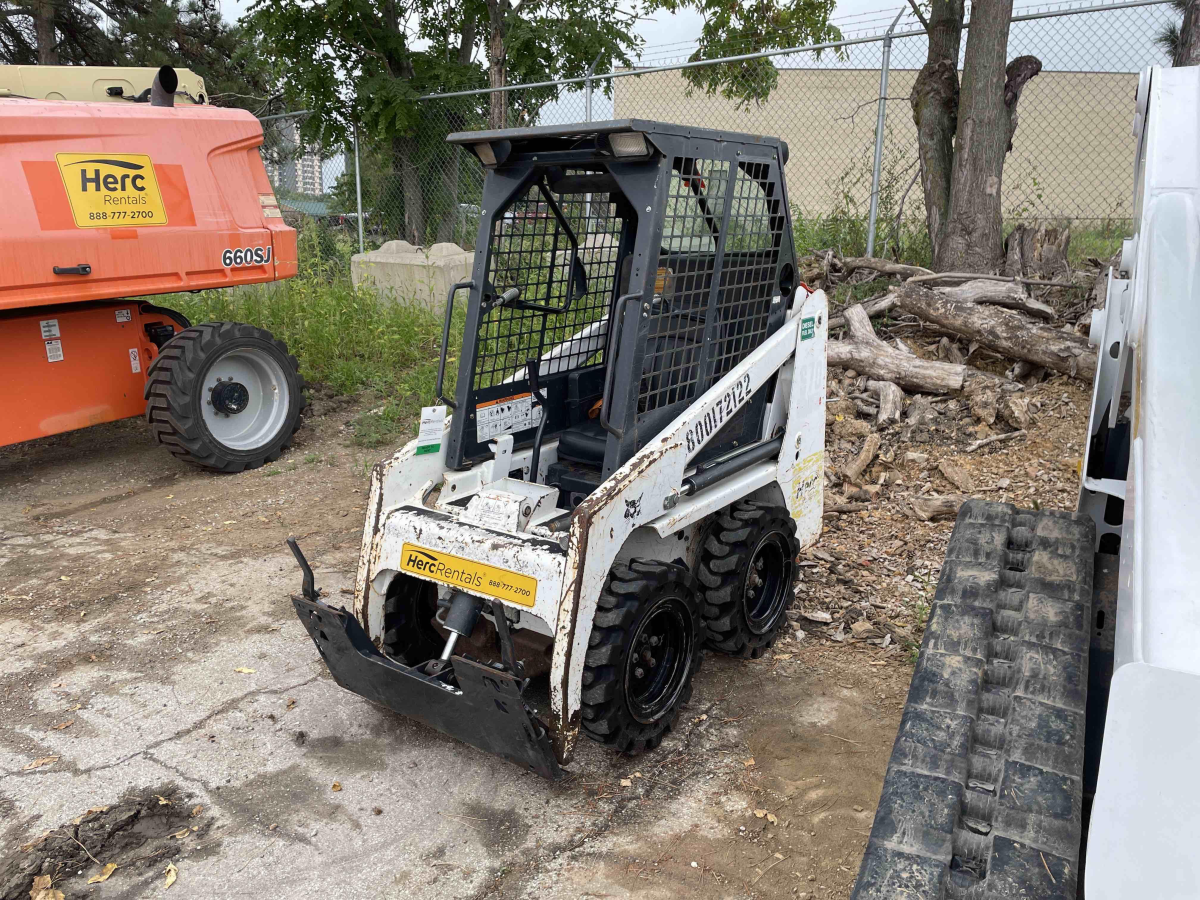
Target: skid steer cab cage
[680, 236]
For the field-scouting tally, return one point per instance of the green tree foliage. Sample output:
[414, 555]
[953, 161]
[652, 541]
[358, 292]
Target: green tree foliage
[368, 62]
[737, 28]
[1181, 40]
[185, 33]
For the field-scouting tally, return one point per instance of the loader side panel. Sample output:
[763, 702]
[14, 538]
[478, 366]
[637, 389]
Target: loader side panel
[71, 366]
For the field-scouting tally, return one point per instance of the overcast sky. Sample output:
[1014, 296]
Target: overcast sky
[666, 31]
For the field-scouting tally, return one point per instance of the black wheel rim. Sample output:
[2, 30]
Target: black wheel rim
[768, 582]
[659, 660]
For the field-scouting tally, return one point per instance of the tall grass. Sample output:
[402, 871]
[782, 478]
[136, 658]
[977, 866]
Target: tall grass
[348, 339]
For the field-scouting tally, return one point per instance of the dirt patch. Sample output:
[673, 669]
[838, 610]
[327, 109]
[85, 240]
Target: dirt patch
[139, 834]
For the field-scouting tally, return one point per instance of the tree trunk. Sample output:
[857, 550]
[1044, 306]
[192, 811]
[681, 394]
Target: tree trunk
[47, 43]
[497, 62]
[1002, 330]
[974, 239]
[1037, 252]
[964, 131]
[1188, 51]
[404, 154]
[934, 101]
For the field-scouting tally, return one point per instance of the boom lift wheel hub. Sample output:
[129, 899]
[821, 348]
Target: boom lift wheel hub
[249, 384]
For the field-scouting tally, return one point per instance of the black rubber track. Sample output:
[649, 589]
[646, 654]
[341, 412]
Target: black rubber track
[724, 566]
[983, 794]
[173, 398]
[628, 594]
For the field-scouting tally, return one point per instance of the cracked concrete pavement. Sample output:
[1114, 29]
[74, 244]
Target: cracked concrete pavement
[150, 641]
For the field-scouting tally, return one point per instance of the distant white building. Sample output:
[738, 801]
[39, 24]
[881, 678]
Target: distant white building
[291, 166]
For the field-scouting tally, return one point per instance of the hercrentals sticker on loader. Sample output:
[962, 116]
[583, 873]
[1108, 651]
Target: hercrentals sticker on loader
[111, 190]
[469, 575]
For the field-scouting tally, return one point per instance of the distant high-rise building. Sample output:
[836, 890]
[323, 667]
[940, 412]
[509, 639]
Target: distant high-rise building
[291, 165]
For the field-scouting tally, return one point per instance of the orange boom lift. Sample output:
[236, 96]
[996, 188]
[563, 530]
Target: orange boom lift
[107, 204]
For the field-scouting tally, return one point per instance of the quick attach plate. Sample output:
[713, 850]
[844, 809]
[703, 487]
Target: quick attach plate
[485, 711]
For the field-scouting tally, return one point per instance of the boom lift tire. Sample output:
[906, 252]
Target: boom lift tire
[224, 396]
[646, 644]
[747, 567]
[983, 793]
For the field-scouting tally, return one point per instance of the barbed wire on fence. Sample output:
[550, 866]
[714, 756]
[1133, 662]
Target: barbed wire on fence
[1071, 158]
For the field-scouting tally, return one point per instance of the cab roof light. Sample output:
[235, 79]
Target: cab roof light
[628, 144]
[485, 153]
[493, 153]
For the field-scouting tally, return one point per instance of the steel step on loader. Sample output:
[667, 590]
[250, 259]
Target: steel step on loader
[630, 460]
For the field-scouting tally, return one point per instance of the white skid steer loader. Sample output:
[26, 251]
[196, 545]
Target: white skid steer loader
[634, 454]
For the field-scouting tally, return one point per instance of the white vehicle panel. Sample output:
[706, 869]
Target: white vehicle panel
[1146, 813]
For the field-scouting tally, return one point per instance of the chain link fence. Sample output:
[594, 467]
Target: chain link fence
[1071, 158]
[313, 184]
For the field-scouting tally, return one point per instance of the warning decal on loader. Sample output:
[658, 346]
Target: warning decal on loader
[111, 190]
[507, 415]
[476, 577]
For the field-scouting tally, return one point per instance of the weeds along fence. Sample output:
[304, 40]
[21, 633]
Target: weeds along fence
[842, 107]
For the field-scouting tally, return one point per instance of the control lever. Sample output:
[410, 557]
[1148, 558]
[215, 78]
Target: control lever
[507, 297]
[532, 367]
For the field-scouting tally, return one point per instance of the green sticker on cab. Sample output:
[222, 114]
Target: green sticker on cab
[808, 328]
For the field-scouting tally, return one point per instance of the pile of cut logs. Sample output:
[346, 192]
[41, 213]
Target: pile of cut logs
[995, 316]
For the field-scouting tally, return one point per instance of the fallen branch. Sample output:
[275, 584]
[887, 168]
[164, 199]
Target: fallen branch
[1009, 295]
[876, 306]
[960, 277]
[994, 439]
[782, 858]
[853, 472]
[891, 401]
[838, 508]
[930, 508]
[885, 266]
[1001, 330]
[864, 352]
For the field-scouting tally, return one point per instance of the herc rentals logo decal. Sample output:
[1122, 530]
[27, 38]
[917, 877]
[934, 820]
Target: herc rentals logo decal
[478, 578]
[111, 190]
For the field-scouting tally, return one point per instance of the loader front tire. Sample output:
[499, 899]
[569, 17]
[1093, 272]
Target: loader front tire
[409, 635]
[645, 646]
[747, 567]
[224, 396]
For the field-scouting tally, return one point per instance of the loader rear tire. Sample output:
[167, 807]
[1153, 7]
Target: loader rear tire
[646, 644]
[224, 396]
[748, 567]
